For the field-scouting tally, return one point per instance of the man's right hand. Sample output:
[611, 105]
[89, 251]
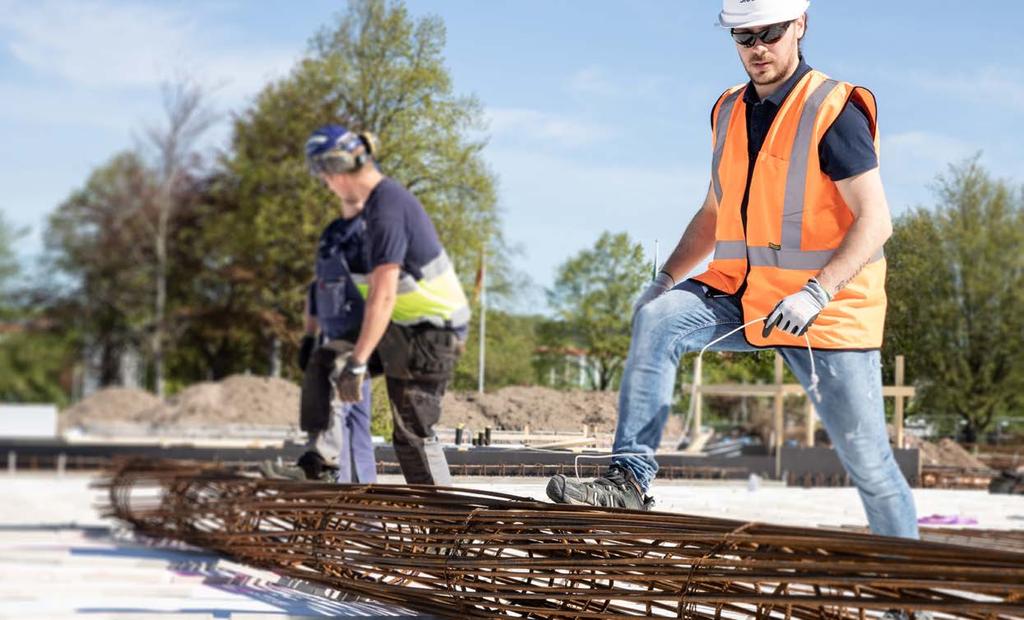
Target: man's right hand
[306, 350]
[661, 283]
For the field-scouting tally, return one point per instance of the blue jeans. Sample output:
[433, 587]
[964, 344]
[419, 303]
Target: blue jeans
[346, 442]
[684, 320]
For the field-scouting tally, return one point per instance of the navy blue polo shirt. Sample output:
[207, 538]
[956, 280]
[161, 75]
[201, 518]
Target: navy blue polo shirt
[398, 229]
[847, 148]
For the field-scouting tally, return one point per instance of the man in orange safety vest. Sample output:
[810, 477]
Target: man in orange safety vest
[796, 218]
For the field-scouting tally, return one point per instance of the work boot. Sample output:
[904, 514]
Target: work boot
[618, 488]
[316, 468]
[310, 466]
[276, 470]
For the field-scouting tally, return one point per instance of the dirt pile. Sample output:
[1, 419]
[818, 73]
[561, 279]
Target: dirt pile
[542, 408]
[244, 399]
[109, 405]
[946, 453]
[238, 399]
[513, 408]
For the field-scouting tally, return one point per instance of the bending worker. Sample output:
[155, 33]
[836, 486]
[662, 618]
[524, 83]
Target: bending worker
[416, 315]
[796, 217]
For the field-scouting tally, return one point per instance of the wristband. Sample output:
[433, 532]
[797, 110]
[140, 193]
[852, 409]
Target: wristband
[354, 368]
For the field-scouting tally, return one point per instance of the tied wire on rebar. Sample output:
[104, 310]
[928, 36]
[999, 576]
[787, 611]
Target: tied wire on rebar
[479, 554]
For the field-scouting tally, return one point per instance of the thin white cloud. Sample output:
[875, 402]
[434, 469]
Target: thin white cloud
[910, 162]
[591, 81]
[523, 125]
[96, 43]
[100, 44]
[595, 81]
[917, 156]
[555, 204]
[992, 86]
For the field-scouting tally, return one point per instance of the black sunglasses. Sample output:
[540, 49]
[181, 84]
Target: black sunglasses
[768, 36]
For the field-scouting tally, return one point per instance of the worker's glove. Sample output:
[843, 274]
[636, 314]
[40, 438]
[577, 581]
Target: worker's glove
[306, 350]
[794, 314]
[349, 381]
[661, 283]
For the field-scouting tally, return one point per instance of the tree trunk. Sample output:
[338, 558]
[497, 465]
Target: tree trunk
[159, 327]
[275, 356]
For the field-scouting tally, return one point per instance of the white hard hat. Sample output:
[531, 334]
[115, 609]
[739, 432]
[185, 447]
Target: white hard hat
[752, 13]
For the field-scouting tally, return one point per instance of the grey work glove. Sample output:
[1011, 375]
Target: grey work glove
[661, 283]
[348, 380]
[795, 313]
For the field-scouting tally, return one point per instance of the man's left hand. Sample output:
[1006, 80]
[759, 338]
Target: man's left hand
[795, 313]
[350, 381]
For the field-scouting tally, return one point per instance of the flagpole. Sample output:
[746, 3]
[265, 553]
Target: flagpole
[483, 319]
[655, 267]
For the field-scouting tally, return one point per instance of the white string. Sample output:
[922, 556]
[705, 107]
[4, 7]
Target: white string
[812, 389]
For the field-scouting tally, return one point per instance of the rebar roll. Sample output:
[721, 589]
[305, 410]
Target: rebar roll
[478, 554]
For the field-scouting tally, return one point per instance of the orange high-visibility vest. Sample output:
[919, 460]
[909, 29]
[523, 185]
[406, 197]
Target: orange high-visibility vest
[796, 218]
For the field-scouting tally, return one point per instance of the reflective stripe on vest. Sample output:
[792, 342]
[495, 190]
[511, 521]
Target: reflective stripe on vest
[724, 112]
[437, 298]
[812, 218]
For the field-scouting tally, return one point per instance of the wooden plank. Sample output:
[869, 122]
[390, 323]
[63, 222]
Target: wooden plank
[778, 415]
[698, 404]
[809, 420]
[897, 421]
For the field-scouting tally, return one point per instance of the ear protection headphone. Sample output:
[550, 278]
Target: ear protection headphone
[341, 159]
[369, 142]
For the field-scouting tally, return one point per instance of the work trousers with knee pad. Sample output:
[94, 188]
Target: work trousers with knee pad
[418, 361]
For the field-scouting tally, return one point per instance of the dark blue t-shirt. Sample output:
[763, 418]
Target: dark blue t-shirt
[398, 230]
[847, 148]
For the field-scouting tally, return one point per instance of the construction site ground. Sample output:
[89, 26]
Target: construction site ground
[60, 558]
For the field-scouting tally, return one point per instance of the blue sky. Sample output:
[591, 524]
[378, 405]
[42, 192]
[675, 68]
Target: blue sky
[598, 110]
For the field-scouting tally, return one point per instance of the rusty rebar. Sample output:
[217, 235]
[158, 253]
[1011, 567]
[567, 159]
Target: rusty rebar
[480, 554]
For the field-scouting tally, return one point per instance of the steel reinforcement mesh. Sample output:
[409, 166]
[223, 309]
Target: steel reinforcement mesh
[479, 554]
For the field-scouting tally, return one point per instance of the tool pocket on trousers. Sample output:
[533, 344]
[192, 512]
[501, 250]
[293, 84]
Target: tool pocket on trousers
[432, 354]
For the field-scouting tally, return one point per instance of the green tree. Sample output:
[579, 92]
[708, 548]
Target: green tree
[511, 344]
[376, 69]
[174, 164]
[956, 286]
[10, 268]
[593, 296]
[33, 357]
[97, 238]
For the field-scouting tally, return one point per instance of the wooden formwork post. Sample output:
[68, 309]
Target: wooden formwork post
[698, 417]
[778, 418]
[897, 419]
[809, 421]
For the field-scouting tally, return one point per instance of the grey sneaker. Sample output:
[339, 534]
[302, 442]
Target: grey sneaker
[899, 614]
[618, 488]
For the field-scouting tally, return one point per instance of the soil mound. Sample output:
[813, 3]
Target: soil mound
[946, 453]
[239, 399]
[109, 405]
[515, 407]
